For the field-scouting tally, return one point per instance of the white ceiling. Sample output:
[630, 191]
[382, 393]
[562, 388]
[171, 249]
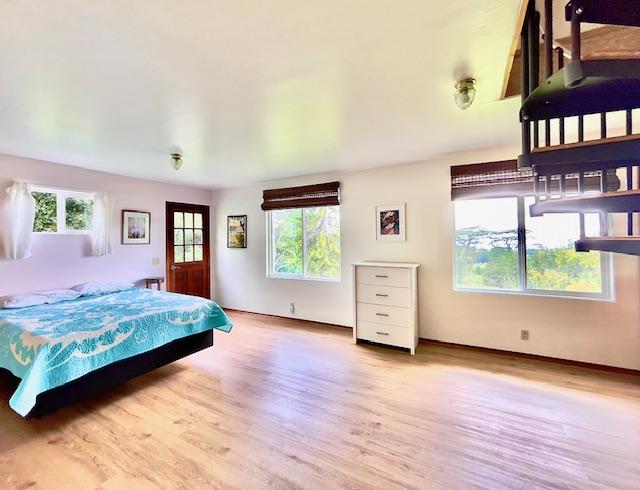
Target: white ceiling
[250, 90]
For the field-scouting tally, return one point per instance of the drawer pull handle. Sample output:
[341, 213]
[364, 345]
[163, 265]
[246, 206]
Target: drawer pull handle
[381, 276]
[382, 333]
[382, 314]
[382, 295]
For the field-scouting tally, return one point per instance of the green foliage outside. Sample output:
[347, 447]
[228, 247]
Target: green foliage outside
[287, 241]
[79, 213]
[46, 212]
[323, 242]
[489, 260]
[564, 269]
[322, 227]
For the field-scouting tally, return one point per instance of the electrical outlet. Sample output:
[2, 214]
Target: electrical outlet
[524, 334]
[155, 261]
[292, 308]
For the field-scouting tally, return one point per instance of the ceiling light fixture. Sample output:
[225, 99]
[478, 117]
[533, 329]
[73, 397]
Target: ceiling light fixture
[465, 93]
[176, 160]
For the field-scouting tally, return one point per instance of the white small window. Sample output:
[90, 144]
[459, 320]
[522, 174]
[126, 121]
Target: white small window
[62, 211]
[304, 243]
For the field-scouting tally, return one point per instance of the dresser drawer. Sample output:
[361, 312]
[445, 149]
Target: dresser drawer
[383, 276]
[386, 315]
[383, 295]
[385, 334]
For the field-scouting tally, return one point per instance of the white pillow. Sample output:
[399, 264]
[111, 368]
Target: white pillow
[38, 298]
[98, 288]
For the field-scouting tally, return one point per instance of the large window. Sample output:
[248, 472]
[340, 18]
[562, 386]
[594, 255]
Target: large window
[304, 243]
[62, 211]
[500, 247]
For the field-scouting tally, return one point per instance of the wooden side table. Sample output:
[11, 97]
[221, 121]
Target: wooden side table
[150, 281]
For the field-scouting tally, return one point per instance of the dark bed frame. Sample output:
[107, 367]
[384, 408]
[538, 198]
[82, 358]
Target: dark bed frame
[118, 372]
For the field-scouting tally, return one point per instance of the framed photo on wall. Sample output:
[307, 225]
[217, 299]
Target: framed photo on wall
[237, 231]
[390, 222]
[136, 227]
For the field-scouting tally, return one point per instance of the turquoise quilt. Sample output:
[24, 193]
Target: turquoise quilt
[49, 345]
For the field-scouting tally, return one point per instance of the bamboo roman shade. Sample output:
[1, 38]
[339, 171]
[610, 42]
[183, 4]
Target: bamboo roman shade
[504, 178]
[305, 196]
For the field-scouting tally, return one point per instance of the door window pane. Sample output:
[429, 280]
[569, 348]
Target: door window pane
[178, 219]
[178, 254]
[188, 253]
[552, 262]
[322, 226]
[197, 220]
[46, 219]
[286, 234]
[486, 244]
[188, 220]
[178, 237]
[198, 253]
[197, 237]
[188, 237]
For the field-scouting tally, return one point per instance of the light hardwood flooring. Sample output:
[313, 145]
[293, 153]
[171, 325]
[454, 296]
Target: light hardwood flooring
[286, 404]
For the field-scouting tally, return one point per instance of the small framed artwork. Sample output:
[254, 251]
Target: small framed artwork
[237, 231]
[390, 223]
[136, 227]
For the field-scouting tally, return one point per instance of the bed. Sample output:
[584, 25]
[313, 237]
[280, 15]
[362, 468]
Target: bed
[65, 351]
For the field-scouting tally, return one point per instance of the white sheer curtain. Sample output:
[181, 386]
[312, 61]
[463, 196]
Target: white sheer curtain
[101, 233]
[20, 213]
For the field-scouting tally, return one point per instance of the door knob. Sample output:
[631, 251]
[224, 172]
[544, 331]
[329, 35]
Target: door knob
[175, 268]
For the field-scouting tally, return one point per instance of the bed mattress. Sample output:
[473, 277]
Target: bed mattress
[47, 346]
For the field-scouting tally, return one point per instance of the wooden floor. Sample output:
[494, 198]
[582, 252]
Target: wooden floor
[284, 404]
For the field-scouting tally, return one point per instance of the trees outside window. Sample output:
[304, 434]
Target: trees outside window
[62, 211]
[487, 244]
[500, 247]
[46, 212]
[305, 243]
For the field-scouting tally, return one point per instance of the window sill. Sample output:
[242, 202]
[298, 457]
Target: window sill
[302, 278]
[542, 294]
[62, 233]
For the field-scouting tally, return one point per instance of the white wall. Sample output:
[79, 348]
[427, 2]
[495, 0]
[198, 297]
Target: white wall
[590, 331]
[60, 261]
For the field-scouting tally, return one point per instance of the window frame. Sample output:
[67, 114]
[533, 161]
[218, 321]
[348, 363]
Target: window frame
[606, 265]
[61, 209]
[301, 277]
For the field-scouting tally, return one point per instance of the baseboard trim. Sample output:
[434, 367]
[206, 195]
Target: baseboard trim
[255, 313]
[534, 357]
[488, 350]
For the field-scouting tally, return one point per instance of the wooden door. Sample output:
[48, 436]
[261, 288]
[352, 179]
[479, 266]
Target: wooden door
[188, 249]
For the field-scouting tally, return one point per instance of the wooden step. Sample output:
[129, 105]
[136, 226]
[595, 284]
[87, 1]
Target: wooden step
[587, 155]
[611, 12]
[605, 43]
[610, 202]
[629, 245]
[606, 86]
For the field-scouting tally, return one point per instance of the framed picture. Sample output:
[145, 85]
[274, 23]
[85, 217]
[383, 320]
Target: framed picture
[390, 223]
[136, 227]
[237, 231]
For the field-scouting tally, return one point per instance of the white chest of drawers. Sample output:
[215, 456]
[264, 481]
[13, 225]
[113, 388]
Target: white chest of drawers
[385, 303]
